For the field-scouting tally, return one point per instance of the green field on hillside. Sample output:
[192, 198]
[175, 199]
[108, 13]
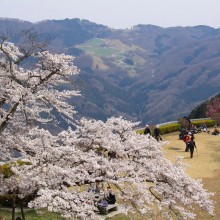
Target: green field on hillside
[115, 49]
[98, 47]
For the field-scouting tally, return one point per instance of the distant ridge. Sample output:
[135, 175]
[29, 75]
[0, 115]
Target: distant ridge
[146, 73]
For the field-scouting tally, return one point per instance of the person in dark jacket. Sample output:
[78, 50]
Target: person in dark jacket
[191, 146]
[216, 131]
[110, 198]
[147, 130]
[157, 133]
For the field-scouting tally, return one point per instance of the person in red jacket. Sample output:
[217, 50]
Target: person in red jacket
[186, 139]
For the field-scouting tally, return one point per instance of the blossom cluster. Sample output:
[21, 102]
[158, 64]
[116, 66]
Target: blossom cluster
[110, 152]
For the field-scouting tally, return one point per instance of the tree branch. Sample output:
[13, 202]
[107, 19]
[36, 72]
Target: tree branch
[5, 122]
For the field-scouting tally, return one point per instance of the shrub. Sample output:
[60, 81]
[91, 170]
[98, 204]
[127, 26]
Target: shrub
[208, 122]
[168, 128]
[140, 131]
[20, 162]
[6, 170]
[172, 127]
[164, 129]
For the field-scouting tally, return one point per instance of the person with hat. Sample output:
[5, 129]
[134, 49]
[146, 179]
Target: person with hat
[147, 130]
[157, 133]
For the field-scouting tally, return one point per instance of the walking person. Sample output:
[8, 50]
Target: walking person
[186, 139]
[157, 133]
[191, 146]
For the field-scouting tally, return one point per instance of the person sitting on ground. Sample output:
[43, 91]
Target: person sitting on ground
[110, 197]
[95, 187]
[98, 187]
[147, 130]
[216, 131]
[203, 127]
[194, 129]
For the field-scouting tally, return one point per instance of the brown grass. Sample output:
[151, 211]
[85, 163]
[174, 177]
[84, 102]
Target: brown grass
[205, 164]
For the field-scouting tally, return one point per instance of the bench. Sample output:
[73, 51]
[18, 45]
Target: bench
[110, 207]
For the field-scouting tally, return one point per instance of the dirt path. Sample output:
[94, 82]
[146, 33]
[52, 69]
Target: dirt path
[205, 164]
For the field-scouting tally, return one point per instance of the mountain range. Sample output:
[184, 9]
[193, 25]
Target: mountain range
[147, 73]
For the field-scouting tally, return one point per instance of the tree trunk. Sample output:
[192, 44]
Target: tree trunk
[22, 212]
[14, 204]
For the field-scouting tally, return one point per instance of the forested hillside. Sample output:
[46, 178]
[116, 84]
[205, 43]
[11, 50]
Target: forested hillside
[200, 110]
[145, 73]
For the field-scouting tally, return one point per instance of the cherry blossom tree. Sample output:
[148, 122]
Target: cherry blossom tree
[213, 107]
[109, 152]
[28, 94]
[213, 110]
[95, 151]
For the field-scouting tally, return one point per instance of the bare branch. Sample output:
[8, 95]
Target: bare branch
[30, 45]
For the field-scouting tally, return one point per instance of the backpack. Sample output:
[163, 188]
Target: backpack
[186, 138]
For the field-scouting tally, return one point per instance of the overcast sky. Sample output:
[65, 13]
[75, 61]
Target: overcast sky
[118, 13]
